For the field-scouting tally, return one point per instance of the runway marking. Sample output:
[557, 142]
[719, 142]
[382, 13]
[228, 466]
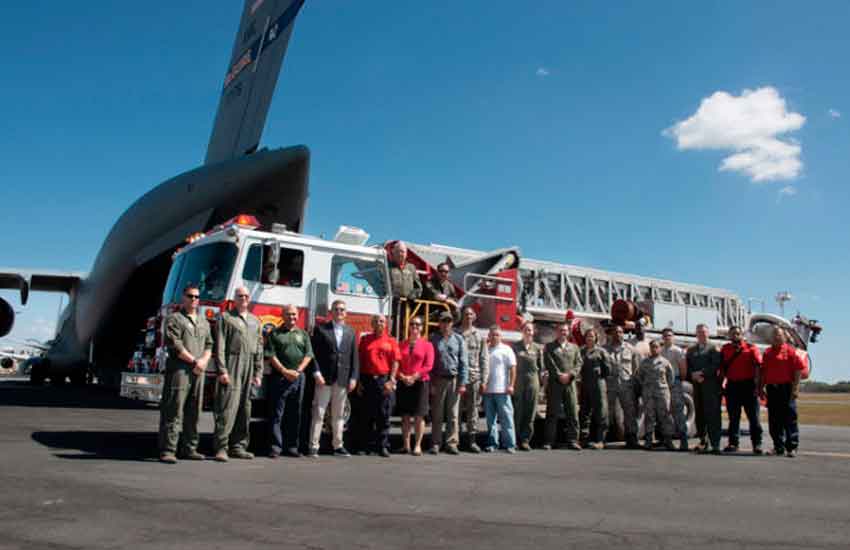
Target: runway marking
[825, 453]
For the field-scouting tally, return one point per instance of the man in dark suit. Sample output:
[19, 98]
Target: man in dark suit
[335, 372]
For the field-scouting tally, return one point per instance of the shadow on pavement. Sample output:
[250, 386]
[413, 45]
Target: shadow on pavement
[100, 445]
[22, 394]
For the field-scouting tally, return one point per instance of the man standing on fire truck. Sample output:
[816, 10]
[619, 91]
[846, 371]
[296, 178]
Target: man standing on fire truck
[289, 352]
[239, 360]
[189, 343]
[404, 283]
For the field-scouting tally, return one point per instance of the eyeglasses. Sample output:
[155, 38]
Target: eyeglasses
[339, 309]
[416, 324]
[193, 296]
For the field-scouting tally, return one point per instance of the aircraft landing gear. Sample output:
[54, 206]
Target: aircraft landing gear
[38, 373]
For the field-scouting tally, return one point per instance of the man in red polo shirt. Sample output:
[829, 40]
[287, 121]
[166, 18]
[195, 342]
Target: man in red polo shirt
[741, 365]
[781, 371]
[379, 359]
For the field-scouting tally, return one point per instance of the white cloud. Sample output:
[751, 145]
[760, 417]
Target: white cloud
[788, 191]
[835, 113]
[748, 125]
[542, 72]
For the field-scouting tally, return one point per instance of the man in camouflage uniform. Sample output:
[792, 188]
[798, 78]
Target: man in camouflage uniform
[655, 375]
[189, 343]
[440, 289]
[593, 413]
[563, 362]
[529, 358]
[239, 359]
[676, 356]
[624, 363]
[704, 361]
[478, 359]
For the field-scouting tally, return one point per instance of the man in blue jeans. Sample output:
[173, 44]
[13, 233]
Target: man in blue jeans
[289, 352]
[497, 390]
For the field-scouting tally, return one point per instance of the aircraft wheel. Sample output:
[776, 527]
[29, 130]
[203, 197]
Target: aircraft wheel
[37, 373]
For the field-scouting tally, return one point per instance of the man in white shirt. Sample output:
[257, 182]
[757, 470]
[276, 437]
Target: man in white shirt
[336, 372]
[497, 389]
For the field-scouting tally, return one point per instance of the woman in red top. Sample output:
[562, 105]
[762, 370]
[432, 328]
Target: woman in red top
[417, 360]
[780, 376]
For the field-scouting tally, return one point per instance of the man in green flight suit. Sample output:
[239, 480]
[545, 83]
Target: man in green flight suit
[189, 343]
[239, 360]
[529, 358]
[563, 362]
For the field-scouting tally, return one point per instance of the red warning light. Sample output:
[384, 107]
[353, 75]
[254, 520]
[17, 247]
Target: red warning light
[244, 220]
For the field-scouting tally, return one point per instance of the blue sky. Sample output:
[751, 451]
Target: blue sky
[539, 124]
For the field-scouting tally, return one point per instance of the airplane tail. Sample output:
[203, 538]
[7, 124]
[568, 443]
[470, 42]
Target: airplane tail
[251, 78]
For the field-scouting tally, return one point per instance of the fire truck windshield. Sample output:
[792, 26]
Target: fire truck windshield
[208, 266]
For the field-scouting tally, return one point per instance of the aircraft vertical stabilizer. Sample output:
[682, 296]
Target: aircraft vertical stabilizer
[249, 84]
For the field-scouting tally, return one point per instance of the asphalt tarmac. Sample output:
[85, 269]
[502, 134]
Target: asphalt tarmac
[80, 471]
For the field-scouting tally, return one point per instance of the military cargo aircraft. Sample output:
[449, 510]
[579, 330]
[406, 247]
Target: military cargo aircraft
[97, 330]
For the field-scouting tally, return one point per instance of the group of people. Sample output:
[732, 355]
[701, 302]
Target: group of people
[447, 376]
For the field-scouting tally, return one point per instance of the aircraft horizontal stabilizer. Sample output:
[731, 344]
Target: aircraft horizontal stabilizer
[40, 280]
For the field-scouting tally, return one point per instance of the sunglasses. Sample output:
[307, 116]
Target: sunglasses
[444, 271]
[193, 296]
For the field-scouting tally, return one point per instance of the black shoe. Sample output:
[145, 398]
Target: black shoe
[757, 450]
[341, 452]
[731, 449]
[293, 452]
[385, 453]
[274, 455]
[573, 446]
[402, 451]
[524, 446]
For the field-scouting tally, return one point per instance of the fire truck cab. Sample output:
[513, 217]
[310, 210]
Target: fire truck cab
[278, 268]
